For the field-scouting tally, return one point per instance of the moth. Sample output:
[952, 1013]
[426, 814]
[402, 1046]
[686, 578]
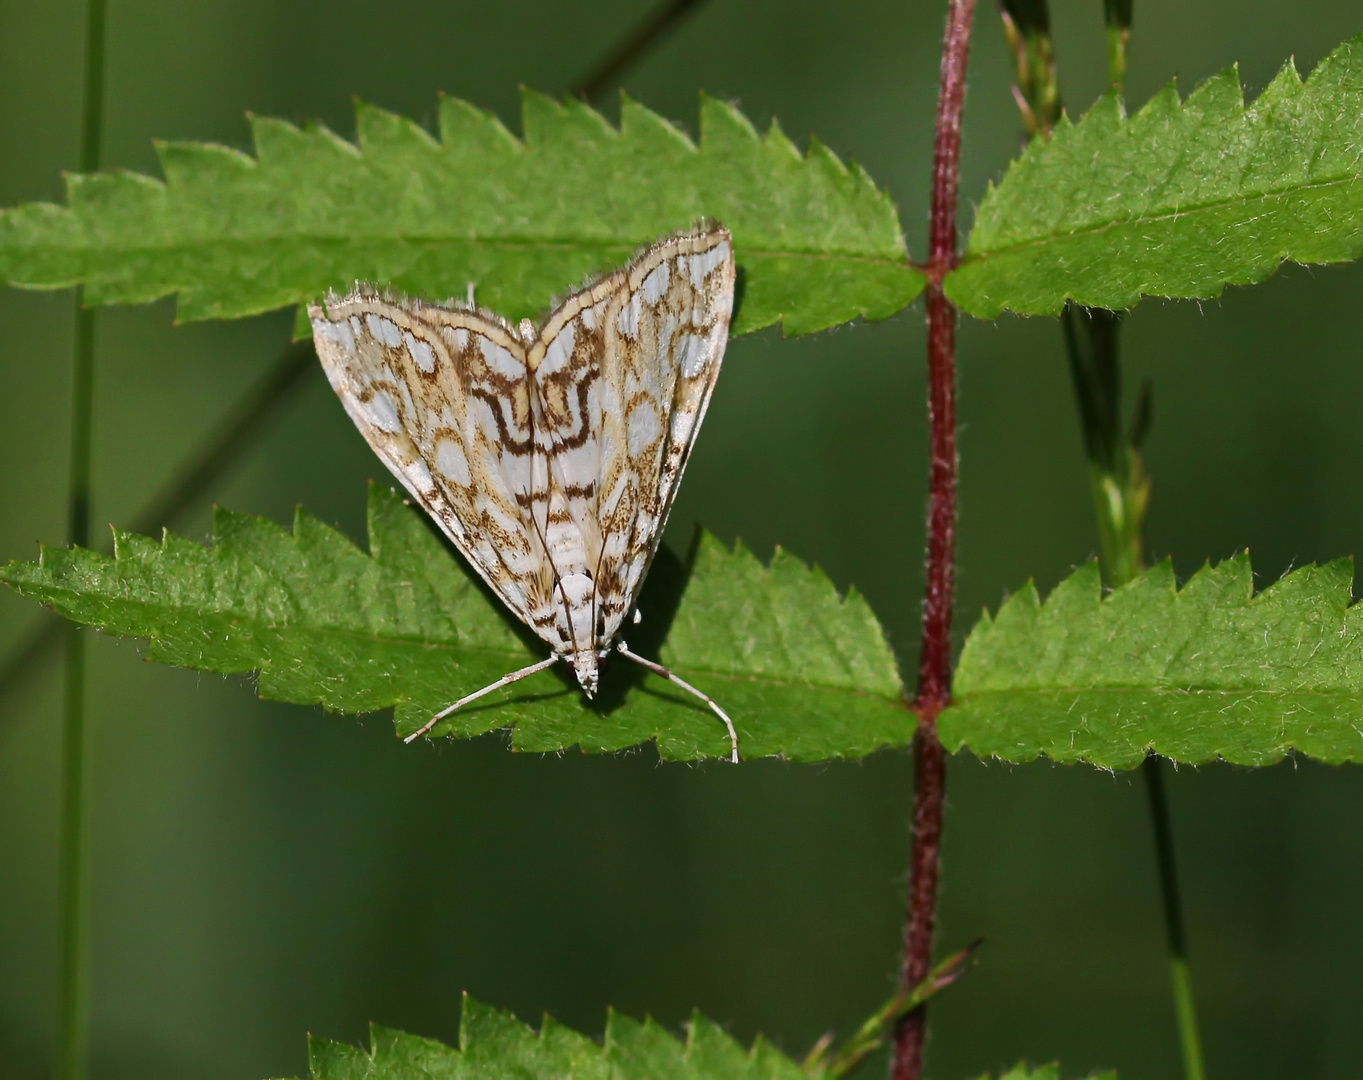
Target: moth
[550, 454]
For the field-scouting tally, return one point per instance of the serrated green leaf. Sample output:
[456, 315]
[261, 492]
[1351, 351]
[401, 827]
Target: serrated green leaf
[1195, 674]
[1180, 200]
[494, 1045]
[803, 672]
[817, 242]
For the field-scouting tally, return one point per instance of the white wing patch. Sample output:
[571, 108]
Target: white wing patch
[550, 457]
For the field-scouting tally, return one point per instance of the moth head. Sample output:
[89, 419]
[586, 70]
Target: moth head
[586, 669]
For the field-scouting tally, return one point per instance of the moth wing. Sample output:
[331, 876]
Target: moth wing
[622, 375]
[442, 396]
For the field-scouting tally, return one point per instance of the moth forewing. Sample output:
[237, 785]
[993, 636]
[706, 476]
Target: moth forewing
[695, 358]
[442, 397]
[638, 354]
[549, 457]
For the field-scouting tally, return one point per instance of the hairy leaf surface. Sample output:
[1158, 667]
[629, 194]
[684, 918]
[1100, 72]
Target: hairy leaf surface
[802, 672]
[1207, 671]
[524, 220]
[1180, 200]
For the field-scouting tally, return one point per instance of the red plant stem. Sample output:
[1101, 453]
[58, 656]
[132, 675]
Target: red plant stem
[934, 666]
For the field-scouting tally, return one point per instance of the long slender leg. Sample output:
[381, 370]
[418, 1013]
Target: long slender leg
[505, 680]
[658, 669]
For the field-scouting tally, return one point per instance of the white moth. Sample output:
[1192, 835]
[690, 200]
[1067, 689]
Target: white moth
[549, 455]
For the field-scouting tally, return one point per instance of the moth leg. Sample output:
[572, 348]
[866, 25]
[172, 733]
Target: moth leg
[505, 680]
[658, 669]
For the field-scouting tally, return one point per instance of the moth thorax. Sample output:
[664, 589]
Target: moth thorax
[585, 668]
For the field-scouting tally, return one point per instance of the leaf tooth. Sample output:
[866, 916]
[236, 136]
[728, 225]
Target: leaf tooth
[779, 144]
[315, 537]
[234, 531]
[380, 131]
[1330, 584]
[1159, 581]
[712, 1049]
[649, 1037]
[1286, 86]
[132, 547]
[793, 570]
[1163, 110]
[868, 189]
[1228, 583]
[1105, 116]
[617, 1025]
[539, 115]
[740, 550]
[280, 144]
[586, 121]
[1027, 600]
[202, 165]
[871, 209]
[474, 131]
[1219, 99]
[480, 1023]
[724, 129]
[640, 125]
[1282, 133]
[550, 126]
[828, 163]
[327, 1058]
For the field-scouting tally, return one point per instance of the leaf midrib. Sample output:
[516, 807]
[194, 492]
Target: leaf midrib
[53, 595]
[970, 695]
[427, 643]
[439, 241]
[781, 681]
[1170, 215]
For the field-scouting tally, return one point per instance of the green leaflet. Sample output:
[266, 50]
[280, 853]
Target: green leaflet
[817, 242]
[1180, 200]
[1199, 673]
[494, 1045]
[803, 672]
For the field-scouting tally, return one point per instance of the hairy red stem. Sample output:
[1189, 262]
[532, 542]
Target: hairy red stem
[934, 666]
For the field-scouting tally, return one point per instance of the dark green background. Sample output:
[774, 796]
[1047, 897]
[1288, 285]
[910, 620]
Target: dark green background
[261, 871]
